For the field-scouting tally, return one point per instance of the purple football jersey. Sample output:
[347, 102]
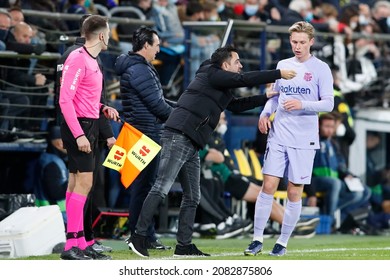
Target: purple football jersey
[313, 85]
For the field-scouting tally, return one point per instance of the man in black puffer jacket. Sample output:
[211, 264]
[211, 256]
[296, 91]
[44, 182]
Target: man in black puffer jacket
[145, 108]
[188, 129]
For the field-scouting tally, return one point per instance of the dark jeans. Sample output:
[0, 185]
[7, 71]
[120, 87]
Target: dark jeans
[338, 196]
[179, 157]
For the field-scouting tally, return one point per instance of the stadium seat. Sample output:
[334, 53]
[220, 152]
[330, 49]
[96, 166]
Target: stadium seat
[255, 165]
[242, 162]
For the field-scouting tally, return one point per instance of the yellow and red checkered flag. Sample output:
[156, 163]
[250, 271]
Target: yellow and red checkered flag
[132, 152]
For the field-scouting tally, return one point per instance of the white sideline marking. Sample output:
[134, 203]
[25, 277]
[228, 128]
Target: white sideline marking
[337, 250]
[289, 252]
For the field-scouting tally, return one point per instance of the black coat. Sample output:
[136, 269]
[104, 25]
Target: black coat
[199, 107]
[143, 102]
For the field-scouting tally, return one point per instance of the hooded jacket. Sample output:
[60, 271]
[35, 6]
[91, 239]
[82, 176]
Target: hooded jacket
[143, 103]
[200, 105]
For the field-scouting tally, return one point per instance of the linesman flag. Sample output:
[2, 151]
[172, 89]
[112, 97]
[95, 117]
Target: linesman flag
[132, 152]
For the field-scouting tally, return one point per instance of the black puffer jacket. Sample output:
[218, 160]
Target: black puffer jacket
[143, 102]
[199, 107]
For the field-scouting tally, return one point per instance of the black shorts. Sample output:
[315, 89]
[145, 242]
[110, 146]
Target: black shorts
[237, 185]
[80, 161]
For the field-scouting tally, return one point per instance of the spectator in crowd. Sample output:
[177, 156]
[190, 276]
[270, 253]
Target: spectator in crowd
[5, 24]
[109, 4]
[373, 170]
[17, 15]
[171, 32]
[293, 136]
[144, 107]
[213, 218]
[225, 10]
[15, 76]
[348, 17]
[47, 176]
[19, 40]
[381, 15]
[21, 71]
[38, 38]
[49, 24]
[5, 135]
[75, 7]
[143, 8]
[260, 11]
[330, 172]
[203, 43]
[188, 129]
[345, 132]
[378, 179]
[215, 158]
[367, 50]
[327, 13]
[210, 10]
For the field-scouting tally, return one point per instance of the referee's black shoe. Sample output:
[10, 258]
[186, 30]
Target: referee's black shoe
[74, 253]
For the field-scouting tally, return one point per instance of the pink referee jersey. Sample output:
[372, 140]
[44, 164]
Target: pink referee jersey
[81, 87]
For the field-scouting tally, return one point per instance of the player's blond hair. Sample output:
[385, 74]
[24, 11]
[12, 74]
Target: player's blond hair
[302, 27]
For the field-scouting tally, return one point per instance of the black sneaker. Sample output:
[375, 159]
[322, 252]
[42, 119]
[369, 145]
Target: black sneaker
[7, 136]
[304, 232]
[307, 222]
[90, 252]
[23, 135]
[74, 253]
[188, 250]
[225, 231]
[138, 244]
[157, 245]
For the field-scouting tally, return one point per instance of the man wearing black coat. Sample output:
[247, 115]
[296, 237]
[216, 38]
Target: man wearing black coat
[188, 129]
[145, 108]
